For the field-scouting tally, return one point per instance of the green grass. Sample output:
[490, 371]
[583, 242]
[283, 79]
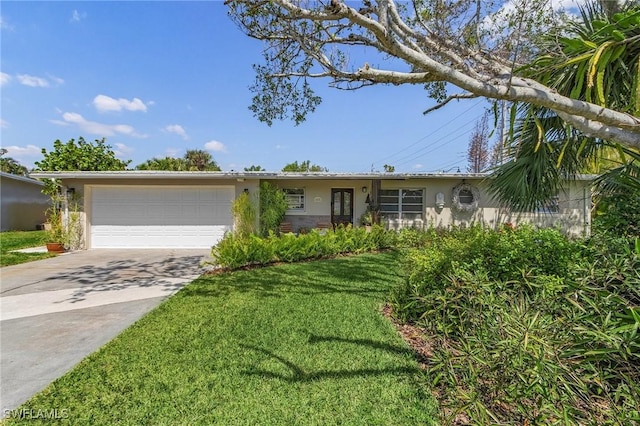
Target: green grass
[291, 344]
[14, 240]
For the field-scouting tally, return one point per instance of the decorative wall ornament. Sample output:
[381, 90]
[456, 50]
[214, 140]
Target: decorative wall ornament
[465, 198]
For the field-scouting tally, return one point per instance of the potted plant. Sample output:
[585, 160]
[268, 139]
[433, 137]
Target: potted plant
[55, 229]
[63, 233]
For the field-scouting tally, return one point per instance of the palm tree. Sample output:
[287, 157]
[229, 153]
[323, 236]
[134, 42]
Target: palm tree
[596, 59]
[200, 160]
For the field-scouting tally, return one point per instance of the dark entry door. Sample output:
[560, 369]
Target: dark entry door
[341, 206]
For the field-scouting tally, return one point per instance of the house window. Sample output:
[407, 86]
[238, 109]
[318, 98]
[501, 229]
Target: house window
[406, 204]
[295, 198]
[550, 206]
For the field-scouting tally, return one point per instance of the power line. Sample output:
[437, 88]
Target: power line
[444, 139]
[386, 159]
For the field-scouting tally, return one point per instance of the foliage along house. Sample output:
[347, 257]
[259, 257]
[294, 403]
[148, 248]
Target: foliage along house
[158, 209]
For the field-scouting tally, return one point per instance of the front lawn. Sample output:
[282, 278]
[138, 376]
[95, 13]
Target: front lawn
[290, 344]
[15, 240]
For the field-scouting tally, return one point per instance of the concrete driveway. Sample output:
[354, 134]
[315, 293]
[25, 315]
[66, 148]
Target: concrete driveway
[55, 312]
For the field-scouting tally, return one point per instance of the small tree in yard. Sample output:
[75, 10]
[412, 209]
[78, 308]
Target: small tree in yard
[244, 214]
[273, 206]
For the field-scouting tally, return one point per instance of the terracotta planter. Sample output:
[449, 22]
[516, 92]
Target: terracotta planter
[55, 248]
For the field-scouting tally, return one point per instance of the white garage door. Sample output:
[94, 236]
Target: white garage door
[160, 216]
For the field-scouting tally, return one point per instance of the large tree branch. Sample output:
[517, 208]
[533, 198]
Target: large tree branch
[432, 57]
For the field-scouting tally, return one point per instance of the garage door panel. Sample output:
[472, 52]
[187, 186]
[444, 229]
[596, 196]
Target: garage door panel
[150, 217]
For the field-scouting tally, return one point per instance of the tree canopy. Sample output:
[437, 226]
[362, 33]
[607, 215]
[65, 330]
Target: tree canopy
[304, 167]
[78, 155]
[430, 43]
[10, 165]
[193, 160]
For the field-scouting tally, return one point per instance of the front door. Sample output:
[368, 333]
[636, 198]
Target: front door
[341, 206]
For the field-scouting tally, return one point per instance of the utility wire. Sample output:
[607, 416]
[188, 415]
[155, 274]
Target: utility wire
[444, 140]
[387, 159]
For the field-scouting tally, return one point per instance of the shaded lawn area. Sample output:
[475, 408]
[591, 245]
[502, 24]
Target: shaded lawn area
[289, 344]
[14, 240]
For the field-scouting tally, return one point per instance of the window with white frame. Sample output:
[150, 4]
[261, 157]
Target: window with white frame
[405, 204]
[295, 198]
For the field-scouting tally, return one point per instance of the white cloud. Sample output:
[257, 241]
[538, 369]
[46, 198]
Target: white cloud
[178, 130]
[215, 146]
[4, 124]
[25, 155]
[280, 146]
[32, 81]
[105, 103]
[5, 25]
[57, 80]
[96, 128]
[4, 78]
[77, 16]
[19, 152]
[417, 166]
[173, 152]
[122, 149]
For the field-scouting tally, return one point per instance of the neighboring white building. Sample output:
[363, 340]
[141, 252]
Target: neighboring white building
[150, 209]
[23, 203]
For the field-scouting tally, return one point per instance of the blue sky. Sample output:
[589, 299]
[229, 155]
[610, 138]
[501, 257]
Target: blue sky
[157, 78]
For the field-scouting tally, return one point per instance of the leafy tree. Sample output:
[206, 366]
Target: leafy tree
[478, 154]
[389, 168]
[254, 168]
[9, 165]
[430, 43]
[193, 160]
[200, 160]
[78, 155]
[304, 167]
[166, 163]
[82, 156]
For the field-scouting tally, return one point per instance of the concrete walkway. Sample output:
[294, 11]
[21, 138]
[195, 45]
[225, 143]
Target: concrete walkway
[55, 312]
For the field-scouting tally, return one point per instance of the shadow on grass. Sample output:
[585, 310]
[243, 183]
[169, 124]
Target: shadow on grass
[299, 375]
[331, 276]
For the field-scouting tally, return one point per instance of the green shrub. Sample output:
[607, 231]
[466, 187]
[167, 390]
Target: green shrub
[528, 326]
[618, 214]
[273, 206]
[236, 250]
[244, 215]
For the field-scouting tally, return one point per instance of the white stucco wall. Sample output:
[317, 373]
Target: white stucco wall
[573, 217]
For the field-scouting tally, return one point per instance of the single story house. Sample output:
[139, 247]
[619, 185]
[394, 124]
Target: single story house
[22, 202]
[160, 209]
